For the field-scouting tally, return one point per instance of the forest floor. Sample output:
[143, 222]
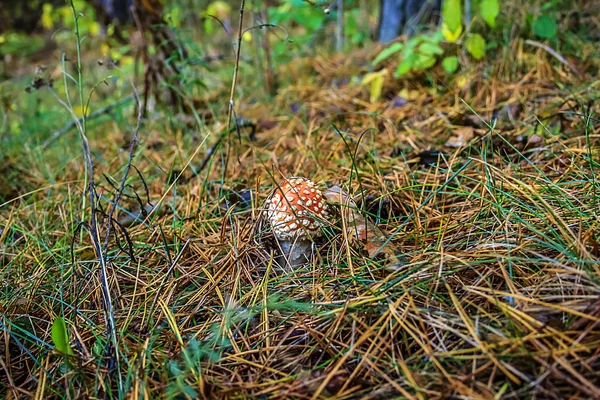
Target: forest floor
[486, 184]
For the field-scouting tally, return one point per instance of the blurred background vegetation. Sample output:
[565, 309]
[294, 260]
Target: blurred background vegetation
[180, 50]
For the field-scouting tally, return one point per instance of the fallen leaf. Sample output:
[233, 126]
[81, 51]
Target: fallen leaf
[410, 95]
[374, 239]
[461, 137]
[375, 82]
[399, 101]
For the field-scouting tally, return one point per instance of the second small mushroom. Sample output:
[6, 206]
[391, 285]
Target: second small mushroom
[296, 212]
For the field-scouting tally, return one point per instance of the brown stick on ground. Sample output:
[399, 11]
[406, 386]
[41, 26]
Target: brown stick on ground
[554, 54]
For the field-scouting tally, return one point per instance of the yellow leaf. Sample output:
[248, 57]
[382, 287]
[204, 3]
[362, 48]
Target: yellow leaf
[115, 55]
[410, 95]
[375, 81]
[126, 60]
[94, 29]
[104, 49]
[47, 21]
[219, 9]
[372, 75]
[449, 35]
[461, 81]
[247, 36]
[77, 111]
[66, 12]
[376, 87]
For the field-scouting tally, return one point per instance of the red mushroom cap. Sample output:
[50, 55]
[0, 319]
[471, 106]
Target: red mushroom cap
[296, 209]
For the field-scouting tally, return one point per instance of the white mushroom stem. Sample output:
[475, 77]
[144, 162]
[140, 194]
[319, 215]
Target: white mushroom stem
[295, 252]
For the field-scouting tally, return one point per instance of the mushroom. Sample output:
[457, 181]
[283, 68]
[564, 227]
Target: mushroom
[296, 211]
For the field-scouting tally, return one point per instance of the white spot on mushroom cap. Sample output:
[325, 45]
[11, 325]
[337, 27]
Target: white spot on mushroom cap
[295, 209]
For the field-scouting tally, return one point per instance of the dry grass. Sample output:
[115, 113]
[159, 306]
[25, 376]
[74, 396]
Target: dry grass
[499, 296]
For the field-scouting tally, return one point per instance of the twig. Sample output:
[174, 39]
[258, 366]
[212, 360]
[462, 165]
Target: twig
[144, 184]
[147, 66]
[240, 123]
[468, 15]
[111, 212]
[127, 169]
[211, 152]
[111, 332]
[165, 277]
[93, 115]
[270, 81]
[237, 63]
[231, 110]
[554, 54]
[340, 26]
[258, 61]
[206, 59]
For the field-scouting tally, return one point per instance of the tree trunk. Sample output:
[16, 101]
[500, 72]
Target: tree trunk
[397, 16]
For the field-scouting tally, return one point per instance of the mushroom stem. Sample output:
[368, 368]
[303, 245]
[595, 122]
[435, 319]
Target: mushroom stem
[295, 252]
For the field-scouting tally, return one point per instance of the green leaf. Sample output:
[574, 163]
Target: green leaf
[405, 65]
[451, 36]
[489, 10]
[60, 337]
[452, 14]
[430, 48]
[387, 52]
[450, 64]
[476, 46]
[545, 27]
[548, 5]
[423, 62]
[411, 45]
[435, 37]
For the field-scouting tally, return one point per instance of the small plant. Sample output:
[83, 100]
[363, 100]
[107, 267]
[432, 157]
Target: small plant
[54, 17]
[186, 372]
[423, 51]
[417, 54]
[545, 27]
[60, 336]
[296, 13]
